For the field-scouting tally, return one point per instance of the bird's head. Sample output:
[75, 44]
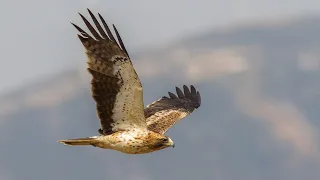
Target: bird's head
[166, 141]
[160, 141]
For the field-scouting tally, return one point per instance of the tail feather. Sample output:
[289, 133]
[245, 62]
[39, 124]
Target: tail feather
[80, 141]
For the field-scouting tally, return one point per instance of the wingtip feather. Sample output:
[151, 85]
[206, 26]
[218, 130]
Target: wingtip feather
[179, 92]
[187, 92]
[172, 96]
[193, 90]
[198, 99]
[191, 94]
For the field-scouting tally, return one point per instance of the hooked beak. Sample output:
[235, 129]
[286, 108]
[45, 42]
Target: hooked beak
[171, 143]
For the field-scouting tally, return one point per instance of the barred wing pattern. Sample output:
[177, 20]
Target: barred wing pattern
[165, 112]
[115, 85]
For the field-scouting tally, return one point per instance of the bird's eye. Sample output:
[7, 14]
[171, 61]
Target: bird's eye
[165, 140]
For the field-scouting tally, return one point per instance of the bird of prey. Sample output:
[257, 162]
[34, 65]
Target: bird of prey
[127, 126]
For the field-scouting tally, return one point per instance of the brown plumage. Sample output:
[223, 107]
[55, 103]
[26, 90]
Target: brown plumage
[125, 125]
[167, 111]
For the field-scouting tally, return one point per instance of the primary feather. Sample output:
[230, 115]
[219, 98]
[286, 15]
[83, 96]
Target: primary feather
[167, 111]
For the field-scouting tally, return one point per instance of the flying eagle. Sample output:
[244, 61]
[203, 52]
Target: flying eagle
[127, 126]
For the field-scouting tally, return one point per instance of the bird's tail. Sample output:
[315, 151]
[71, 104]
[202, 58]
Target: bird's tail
[80, 141]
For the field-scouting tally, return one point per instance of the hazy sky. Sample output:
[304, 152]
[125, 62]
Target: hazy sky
[37, 38]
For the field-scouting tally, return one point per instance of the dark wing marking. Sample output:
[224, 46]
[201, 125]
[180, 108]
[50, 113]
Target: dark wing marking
[165, 112]
[115, 85]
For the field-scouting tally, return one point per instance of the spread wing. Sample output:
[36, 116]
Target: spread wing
[165, 112]
[115, 85]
